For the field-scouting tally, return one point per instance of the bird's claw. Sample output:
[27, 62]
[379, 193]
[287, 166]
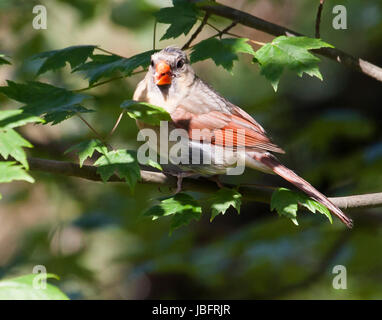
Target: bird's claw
[179, 182]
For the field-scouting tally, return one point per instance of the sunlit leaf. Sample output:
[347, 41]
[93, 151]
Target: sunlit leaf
[286, 203]
[145, 112]
[30, 287]
[289, 53]
[86, 149]
[12, 144]
[121, 162]
[10, 171]
[182, 207]
[314, 206]
[151, 163]
[223, 199]
[41, 99]
[16, 118]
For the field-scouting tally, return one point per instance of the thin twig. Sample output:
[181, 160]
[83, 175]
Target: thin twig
[109, 52]
[103, 140]
[197, 31]
[318, 18]
[116, 125]
[225, 30]
[90, 127]
[250, 40]
[98, 84]
[154, 33]
[109, 80]
[213, 27]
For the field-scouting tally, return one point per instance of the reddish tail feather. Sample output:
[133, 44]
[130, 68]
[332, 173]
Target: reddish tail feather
[303, 185]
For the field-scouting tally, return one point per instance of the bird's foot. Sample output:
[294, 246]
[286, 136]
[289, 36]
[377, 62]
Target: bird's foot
[180, 177]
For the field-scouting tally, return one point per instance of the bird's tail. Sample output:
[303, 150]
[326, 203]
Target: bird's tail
[272, 163]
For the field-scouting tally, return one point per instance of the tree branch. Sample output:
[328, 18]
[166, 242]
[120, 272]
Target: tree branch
[253, 193]
[253, 22]
[318, 18]
[197, 31]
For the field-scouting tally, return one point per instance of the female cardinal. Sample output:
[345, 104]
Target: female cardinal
[207, 118]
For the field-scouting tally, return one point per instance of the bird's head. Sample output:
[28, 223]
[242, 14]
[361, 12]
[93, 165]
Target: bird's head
[170, 67]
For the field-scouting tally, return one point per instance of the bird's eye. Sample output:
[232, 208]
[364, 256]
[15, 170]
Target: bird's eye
[180, 63]
[152, 63]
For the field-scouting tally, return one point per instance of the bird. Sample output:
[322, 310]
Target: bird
[212, 123]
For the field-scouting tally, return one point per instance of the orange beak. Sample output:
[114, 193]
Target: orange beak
[162, 73]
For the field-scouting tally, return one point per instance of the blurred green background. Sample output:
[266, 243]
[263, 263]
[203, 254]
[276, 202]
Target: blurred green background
[92, 235]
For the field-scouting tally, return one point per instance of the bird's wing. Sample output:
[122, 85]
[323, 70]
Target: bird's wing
[235, 129]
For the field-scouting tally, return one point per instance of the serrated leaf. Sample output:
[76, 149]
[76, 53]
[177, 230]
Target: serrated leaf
[286, 203]
[23, 288]
[16, 118]
[182, 207]
[105, 65]
[86, 149]
[55, 59]
[10, 171]
[314, 206]
[11, 144]
[145, 112]
[181, 17]
[290, 53]
[223, 199]
[222, 51]
[55, 104]
[124, 163]
[151, 163]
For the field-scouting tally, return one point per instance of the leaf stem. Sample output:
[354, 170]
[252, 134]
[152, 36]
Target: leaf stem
[318, 18]
[154, 33]
[90, 126]
[109, 52]
[197, 31]
[116, 124]
[109, 80]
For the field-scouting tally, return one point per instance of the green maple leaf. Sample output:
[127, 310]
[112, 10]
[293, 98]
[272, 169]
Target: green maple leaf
[223, 199]
[23, 288]
[181, 17]
[16, 118]
[121, 162]
[105, 65]
[222, 51]
[55, 104]
[56, 59]
[314, 206]
[286, 204]
[182, 207]
[10, 171]
[86, 149]
[12, 144]
[289, 53]
[145, 112]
